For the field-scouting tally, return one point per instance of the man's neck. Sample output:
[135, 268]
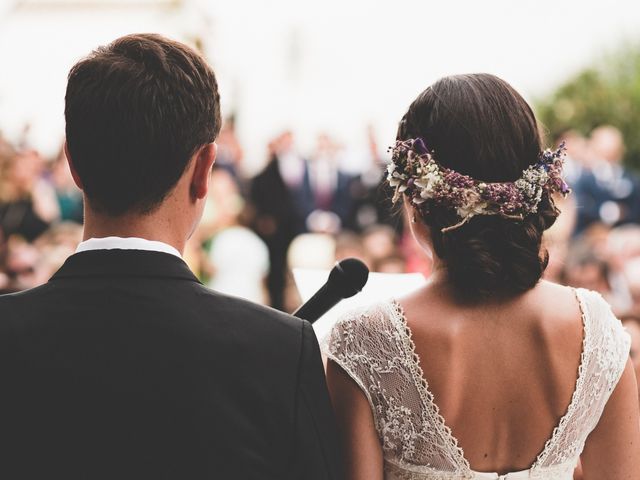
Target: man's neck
[150, 227]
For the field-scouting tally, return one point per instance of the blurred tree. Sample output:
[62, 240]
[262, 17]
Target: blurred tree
[605, 93]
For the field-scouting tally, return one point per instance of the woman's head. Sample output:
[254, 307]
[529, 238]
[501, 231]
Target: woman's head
[478, 125]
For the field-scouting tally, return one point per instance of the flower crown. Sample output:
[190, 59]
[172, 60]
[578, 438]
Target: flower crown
[413, 171]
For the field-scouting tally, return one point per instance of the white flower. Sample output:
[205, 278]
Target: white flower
[532, 190]
[534, 176]
[396, 179]
[426, 194]
[473, 205]
[471, 210]
[428, 183]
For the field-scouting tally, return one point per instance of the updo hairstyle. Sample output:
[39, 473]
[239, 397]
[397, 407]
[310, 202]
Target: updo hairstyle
[478, 125]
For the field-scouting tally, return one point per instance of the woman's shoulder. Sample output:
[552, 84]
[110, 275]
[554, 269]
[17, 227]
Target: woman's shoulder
[593, 308]
[364, 329]
[606, 343]
[598, 313]
[560, 302]
[555, 292]
[368, 316]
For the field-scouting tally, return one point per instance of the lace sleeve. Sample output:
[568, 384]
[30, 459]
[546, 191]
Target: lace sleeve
[350, 344]
[370, 347]
[373, 346]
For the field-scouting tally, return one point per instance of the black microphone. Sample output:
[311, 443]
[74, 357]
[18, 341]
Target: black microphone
[345, 280]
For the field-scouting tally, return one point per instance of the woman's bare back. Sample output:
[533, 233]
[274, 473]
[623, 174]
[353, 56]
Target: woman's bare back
[503, 373]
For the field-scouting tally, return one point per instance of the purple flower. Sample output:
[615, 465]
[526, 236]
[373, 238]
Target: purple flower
[419, 146]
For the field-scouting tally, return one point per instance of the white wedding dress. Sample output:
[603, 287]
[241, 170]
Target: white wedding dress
[375, 348]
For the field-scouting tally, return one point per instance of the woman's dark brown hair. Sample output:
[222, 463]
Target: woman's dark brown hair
[480, 126]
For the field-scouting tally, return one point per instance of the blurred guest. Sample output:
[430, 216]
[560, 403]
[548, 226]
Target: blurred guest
[621, 250]
[392, 264]
[379, 242]
[557, 239]
[281, 204]
[5, 281]
[225, 205]
[6, 149]
[349, 244]
[585, 269]
[238, 257]
[323, 247]
[68, 195]
[330, 188]
[631, 274]
[578, 158]
[65, 234]
[370, 194]
[27, 203]
[20, 265]
[623, 244]
[230, 152]
[609, 193]
[53, 248]
[315, 251]
[632, 325]
[241, 263]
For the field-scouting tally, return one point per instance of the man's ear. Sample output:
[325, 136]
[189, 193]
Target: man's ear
[74, 173]
[204, 160]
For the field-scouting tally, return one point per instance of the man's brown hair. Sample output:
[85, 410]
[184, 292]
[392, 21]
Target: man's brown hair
[136, 111]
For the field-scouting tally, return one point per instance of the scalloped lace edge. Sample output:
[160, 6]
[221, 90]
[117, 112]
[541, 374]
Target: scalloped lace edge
[423, 388]
[562, 424]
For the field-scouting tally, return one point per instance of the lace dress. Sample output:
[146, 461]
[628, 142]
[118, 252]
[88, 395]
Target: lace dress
[375, 348]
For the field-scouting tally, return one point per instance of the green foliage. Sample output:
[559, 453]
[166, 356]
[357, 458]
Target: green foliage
[606, 93]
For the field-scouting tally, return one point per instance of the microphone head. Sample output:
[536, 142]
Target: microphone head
[348, 277]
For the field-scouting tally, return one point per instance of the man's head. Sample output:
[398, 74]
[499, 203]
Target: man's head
[137, 111]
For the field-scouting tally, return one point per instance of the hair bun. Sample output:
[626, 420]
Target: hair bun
[492, 256]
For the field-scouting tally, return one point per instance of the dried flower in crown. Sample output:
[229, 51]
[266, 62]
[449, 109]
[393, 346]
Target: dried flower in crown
[414, 172]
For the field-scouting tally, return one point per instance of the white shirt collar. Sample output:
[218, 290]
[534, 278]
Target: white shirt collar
[131, 243]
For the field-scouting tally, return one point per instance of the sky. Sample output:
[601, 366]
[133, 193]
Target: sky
[331, 66]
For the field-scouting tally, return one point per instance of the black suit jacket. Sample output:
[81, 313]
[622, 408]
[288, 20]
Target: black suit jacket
[124, 366]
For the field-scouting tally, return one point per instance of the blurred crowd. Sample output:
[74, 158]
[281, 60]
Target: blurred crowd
[302, 210]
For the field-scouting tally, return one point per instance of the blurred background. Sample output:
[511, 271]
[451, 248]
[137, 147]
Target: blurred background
[311, 95]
